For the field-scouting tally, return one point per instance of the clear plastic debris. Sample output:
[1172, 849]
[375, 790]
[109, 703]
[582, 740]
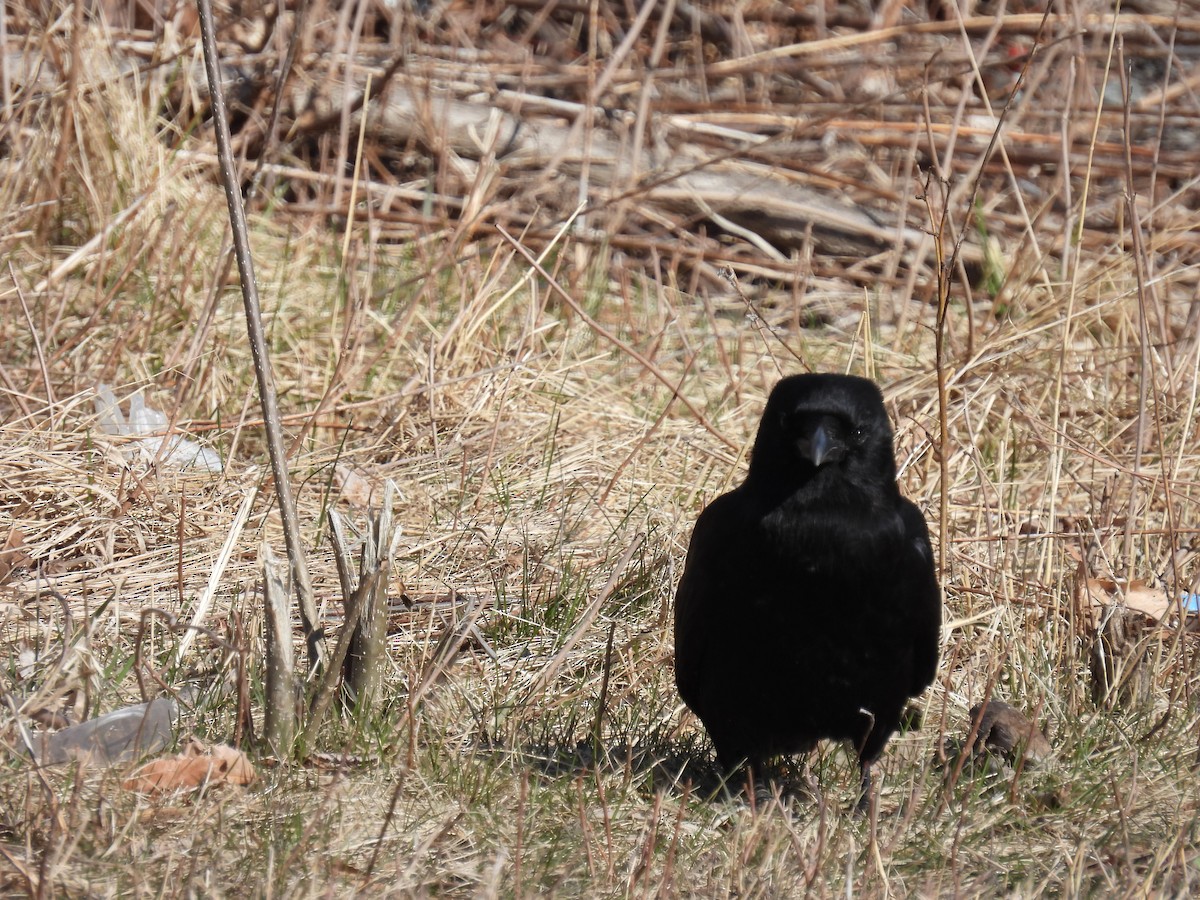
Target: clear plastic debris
[180, 452]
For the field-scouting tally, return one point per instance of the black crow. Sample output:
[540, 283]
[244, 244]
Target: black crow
[809, 606]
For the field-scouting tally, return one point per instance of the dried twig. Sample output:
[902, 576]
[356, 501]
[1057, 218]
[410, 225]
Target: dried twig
[254, 327]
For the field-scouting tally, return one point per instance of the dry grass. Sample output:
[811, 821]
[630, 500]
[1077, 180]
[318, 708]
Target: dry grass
[532, 452]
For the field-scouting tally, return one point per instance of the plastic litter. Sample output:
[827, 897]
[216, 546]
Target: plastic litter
[181, 452]
[125, 734]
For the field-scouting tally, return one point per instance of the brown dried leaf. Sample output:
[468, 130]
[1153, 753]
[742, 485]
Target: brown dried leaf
[13, 554]
[196, 766]
[1004, 729]
[1094, 595]
[1149, 600]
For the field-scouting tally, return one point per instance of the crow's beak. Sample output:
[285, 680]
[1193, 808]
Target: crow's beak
[822, 446]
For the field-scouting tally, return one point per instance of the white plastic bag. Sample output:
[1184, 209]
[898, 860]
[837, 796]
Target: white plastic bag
[181, 452]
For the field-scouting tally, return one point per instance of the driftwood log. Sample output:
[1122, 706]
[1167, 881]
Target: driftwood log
[759, 201]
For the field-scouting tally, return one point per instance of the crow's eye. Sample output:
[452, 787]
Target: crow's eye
[860, 435]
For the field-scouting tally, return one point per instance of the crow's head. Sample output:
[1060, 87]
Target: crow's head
[824, 423]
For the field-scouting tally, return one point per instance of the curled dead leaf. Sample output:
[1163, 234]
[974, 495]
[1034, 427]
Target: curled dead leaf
[1005, 730]
[13, 554]
[1094, 595]
[198, 765]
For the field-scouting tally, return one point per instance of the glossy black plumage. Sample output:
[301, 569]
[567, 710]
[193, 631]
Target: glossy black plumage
[809, 606]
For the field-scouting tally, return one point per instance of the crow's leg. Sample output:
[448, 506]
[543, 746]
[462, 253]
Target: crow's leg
[868, 748]
[866, 794]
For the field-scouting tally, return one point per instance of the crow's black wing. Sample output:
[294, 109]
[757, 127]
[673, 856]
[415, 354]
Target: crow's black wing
[923, 597]
[706, 600]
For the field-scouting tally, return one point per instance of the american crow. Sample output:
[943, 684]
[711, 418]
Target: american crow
[809, 606]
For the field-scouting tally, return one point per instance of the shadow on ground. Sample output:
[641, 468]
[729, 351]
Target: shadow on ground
[676, 767]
